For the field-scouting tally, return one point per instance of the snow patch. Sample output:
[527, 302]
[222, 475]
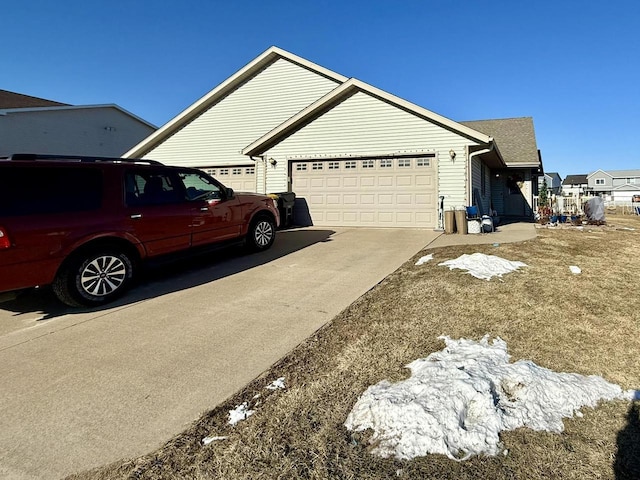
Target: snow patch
[575, 269]
[425, 259]
[483, 266]
[208, 440]
[276, 384]
[458, 400]
[241, 412]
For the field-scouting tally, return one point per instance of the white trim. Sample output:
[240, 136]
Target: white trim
[269, 56]
[336, 96]
[601, 171]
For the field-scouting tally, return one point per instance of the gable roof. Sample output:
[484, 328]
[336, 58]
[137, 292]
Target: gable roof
[627, 187]
[618, 173]
[575, 180]
[7, 111]
[341, 93]
[516, 138]
[268, 57]
[18, 100]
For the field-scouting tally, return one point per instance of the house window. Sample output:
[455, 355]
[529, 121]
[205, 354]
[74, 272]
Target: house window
[316, 166]
[250, 170]
[211, 171]
[632, 180]
[367, 164]
[423, 162]
[350, 164]
[404, 162]
[334, 165]
[385, 163]
[236, 171]
[599, 181]
[224, 171]
[301, 167]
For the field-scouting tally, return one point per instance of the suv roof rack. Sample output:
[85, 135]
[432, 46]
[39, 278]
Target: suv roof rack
[79, 158]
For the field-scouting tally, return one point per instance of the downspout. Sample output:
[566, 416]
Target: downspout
[264, 170]
[469, 169]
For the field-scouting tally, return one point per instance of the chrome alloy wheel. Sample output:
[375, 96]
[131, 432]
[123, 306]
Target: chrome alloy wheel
[103, 275]
[263, 233]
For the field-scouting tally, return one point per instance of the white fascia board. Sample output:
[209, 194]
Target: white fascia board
[259, 146]
[74, 107]
[599, 171]
[523, 165]
[268, 56]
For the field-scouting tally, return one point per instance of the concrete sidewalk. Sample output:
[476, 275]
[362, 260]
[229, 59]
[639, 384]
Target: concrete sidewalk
[509, 233]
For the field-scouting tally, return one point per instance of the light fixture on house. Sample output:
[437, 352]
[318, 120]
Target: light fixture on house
[273, 161]
[452, 154]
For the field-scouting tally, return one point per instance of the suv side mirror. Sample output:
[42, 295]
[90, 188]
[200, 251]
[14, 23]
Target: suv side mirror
[230, 193]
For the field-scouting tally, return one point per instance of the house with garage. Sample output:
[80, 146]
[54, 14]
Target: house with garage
[615, 185]
[575, 185]
[353, 154]
[36, 125]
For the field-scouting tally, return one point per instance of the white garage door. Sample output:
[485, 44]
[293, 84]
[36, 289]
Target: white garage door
[380, 192]
[241, 178]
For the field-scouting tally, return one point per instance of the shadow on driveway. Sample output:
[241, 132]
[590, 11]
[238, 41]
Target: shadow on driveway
[176, 275]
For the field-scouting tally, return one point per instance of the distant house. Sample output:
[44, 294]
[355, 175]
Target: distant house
[553, 180]
[36, 125]
[574, 185]
[354, 155]
[617, 185]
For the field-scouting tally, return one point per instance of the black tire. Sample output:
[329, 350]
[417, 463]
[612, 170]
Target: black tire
[94, 277]
[262, 233]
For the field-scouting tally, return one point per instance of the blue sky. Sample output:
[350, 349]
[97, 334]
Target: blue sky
[574, 66]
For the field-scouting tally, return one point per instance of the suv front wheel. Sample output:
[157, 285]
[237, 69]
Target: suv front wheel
[94, 277]
[262, 233]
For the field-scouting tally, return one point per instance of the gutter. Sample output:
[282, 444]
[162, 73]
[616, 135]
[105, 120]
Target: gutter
[263, 158]
[470, 178]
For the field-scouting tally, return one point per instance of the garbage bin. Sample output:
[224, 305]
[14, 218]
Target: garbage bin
[461, 220]
[286, 201]
[449, 221]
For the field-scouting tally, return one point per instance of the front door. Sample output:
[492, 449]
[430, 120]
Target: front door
[514, 202]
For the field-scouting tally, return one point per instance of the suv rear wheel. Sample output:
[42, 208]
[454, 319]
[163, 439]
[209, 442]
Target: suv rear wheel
[262, 233]
[94, 277]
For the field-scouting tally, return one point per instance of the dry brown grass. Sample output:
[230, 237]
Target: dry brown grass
[586, 323]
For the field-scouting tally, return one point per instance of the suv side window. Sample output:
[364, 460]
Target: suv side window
[200, 186]
[48, 190]
[152, 188]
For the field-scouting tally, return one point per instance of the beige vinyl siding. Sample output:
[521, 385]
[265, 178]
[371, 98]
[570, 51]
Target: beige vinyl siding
[365, 126]
[100, 131]
[217, 136]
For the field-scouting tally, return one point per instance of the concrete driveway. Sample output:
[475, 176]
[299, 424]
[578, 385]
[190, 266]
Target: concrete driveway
[83, 388]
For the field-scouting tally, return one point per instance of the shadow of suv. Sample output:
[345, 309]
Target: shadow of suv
[86, 224]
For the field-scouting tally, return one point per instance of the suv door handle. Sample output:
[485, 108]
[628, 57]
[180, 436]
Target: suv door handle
[136, 215]
[204, 209]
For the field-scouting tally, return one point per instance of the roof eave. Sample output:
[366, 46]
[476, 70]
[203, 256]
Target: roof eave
[348, 88]
[267, 57]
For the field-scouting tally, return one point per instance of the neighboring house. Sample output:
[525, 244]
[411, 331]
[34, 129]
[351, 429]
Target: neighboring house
[554, 182]
[574, 185]
[35, 125]
[617, 185]
[353, 154]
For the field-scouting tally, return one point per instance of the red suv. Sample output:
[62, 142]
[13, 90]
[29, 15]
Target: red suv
[86, 224]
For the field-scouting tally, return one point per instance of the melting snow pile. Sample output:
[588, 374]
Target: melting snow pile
[458, 400]
[483, 266]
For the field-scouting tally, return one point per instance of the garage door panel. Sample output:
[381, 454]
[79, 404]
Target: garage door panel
[380, 192]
